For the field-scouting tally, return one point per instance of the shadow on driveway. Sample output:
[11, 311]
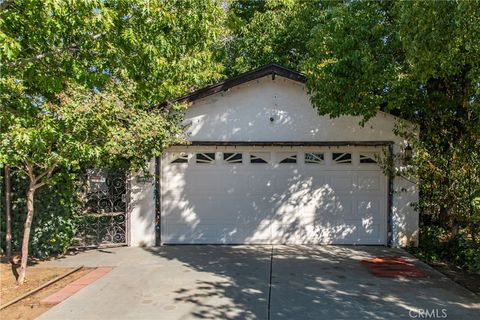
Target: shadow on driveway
[257, 282]
[312, 282]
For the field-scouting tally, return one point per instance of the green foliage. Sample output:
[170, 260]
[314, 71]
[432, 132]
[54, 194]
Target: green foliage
[464, 253]
[419, 60]
[54, 225]
[435, 245]
[81, 83]
[429, 244]
[263, 32]
[449, 175]
[352, 59]
[87, 127]
[414, 58]
[123, 57]
[164, 47]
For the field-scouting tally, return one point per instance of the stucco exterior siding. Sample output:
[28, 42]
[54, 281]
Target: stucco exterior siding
[243, 114]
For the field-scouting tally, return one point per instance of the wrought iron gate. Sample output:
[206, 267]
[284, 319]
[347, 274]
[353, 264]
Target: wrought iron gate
[103, 219]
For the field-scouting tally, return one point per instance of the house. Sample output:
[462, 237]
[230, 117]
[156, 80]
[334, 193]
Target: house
[262, 167]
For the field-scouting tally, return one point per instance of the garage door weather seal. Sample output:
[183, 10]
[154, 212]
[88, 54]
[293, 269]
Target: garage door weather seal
[289, 143]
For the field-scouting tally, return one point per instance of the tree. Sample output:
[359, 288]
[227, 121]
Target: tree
[419, 60]
[262, 32]
[79, 82]
[8, 213]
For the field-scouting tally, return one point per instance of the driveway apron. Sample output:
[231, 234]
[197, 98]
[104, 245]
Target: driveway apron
[256, 282]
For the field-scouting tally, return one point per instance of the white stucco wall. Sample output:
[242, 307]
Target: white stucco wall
[243, 114]
[405, 218]
[142, 209]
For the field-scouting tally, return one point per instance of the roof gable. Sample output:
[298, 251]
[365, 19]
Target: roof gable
[266, 109]
[272, 69]
[269, 69]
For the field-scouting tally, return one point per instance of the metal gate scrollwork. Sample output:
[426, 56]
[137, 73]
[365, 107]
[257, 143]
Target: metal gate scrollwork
[102, 220]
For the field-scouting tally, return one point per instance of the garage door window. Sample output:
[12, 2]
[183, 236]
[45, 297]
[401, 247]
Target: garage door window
[314, 158]
[232, 158]
[288, 158]
[367, 158]
[205, 158]
[182, 158]
[342, 158]
[257, 158]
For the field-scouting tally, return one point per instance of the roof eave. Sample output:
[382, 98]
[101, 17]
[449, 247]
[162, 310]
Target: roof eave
[270, 69]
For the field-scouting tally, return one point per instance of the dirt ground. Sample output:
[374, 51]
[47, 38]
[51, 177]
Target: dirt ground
[30, 307]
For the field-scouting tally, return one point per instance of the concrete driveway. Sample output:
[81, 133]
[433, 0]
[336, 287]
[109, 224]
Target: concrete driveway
[257, 282]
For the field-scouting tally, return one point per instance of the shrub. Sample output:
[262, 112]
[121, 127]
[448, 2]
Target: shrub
[435, 245]
[463, 252]
[54, 225]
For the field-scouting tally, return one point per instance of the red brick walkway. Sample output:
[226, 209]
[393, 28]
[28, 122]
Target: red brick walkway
[76, 286]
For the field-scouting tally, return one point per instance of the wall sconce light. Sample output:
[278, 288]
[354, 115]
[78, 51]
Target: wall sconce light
[407, 154]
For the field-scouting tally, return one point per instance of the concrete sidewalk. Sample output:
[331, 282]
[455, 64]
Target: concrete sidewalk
[255, 282]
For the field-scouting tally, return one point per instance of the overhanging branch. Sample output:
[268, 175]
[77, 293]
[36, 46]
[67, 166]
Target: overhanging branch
[6, 4]
[42, 55]
[73, 48]
[46, 174]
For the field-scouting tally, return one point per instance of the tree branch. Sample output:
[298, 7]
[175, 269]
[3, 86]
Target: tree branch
[29, 171]
[6, 4]
[45, 174]
[38, 185]
[73, 48]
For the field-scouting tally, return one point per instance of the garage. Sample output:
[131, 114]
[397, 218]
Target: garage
[274, 195]
[257, 164]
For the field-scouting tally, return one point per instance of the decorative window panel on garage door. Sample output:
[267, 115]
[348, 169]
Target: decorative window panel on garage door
[296, 195]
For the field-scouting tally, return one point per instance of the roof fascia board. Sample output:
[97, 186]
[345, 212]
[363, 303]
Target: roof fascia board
[270, 69]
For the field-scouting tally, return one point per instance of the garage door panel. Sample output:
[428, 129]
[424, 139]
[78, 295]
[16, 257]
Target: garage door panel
[207, 184]
[175, 182]
[370, 207]
[231, 209]
[292, 234]
[335, 231]
[369, 181]
[273, 203]
[175, 171]
[205, 233]
[288, 208]
[314, 234]
[311, 187]
[216, 232]
[342, 206]
[299, 217]
[336, 208]
[341, 182]
[260, 183]
[369, 230]
[285, 183]
[181, 213]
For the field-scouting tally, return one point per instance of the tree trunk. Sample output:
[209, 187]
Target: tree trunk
[8, 213]
[26, 233]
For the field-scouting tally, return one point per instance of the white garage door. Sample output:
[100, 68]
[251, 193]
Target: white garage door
[294, 195]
